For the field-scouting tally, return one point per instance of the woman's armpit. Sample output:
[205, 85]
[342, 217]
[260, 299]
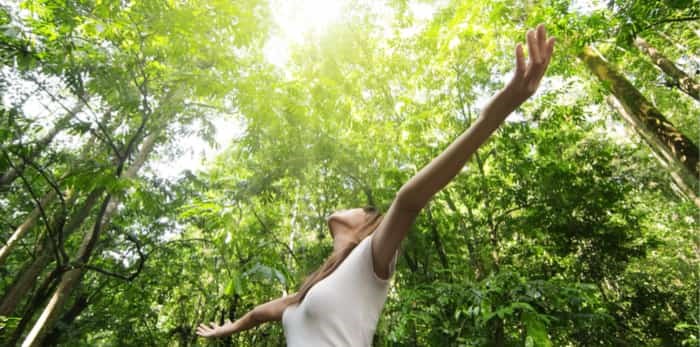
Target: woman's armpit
[392, 264]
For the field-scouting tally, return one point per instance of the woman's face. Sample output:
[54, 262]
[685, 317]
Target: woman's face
[346, 219]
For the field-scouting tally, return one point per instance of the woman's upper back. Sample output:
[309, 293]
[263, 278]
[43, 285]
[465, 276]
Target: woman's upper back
[342, 309]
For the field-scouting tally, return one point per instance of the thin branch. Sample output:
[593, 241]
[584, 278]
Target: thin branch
[147, 112]
[213, 107]
[484, 188]
[83, 258]
[365, 188]
[666, 20]
[38, 204]
[43, 174]
[58, 232]
[42, 87]
[106, 138]
[91, 297]
[139, 267]
[113, 274]
[130, 145]
[503, 215]
[188, 240]
[672, 20]
[274, 238]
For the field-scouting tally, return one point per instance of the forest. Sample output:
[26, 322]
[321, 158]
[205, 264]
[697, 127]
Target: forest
[165, 163]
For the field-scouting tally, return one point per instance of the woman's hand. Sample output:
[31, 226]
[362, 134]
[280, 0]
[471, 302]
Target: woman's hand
[527, 77]
[213, 330]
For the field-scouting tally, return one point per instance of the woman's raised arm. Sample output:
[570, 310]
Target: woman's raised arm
[416, 193]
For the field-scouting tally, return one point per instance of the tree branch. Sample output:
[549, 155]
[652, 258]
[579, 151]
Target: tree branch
[58, 232]
[39, 206]
[667, 20]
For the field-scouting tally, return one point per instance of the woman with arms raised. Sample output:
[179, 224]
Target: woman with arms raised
[340, 303]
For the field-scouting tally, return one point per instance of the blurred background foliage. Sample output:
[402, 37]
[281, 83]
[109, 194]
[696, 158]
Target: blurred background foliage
[576, 224]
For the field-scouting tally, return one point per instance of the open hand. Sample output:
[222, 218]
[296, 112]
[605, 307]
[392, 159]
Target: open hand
[527, 78]
[212, 330]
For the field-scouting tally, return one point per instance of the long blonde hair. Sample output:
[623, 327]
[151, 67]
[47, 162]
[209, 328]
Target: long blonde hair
[337, 257]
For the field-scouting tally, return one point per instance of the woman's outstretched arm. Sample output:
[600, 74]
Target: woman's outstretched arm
[269, 311]
[416, 193]
[438, 173]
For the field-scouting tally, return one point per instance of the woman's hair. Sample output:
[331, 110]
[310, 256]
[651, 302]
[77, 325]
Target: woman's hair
[336, 258]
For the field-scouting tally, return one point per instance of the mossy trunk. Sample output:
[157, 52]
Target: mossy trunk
[656, 130]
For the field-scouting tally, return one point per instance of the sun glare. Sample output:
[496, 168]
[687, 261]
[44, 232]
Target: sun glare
[296, 19]
[299, 20]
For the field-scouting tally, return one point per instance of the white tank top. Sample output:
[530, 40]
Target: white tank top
[342, 309]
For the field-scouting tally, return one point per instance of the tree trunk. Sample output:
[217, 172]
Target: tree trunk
[294, 226]
[645, 117]
[437, 240]
[677, 172]
[28, 277]
[72, 277]
[24, 284]
[79, 305]
[683, 81]
[498, 337]
[8, 177]
[28, 223]
[38, 299]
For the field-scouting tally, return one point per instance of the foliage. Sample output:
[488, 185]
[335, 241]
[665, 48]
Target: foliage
[562, 230]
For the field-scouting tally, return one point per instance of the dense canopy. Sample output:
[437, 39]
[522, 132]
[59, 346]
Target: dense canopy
[166, 163]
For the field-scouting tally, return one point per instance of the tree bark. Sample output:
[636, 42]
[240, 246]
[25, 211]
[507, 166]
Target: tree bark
[678, 174]
[645, 117]
[28, 223]
[683, 81]
[24, 284]
[38, 299]
[498, 337]
[31, 220]
[71, 278]
[28, 277]
[79, 305]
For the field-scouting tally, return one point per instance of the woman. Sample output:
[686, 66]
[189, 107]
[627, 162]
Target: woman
[340, 303]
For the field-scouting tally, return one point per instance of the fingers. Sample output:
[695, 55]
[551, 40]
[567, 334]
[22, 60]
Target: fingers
[207, 330]
[540, 50]
[203, 330]
[532, 48]
[519, 61]
[528, 74]
[541, 41]
[547, 53]
[549, 50]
